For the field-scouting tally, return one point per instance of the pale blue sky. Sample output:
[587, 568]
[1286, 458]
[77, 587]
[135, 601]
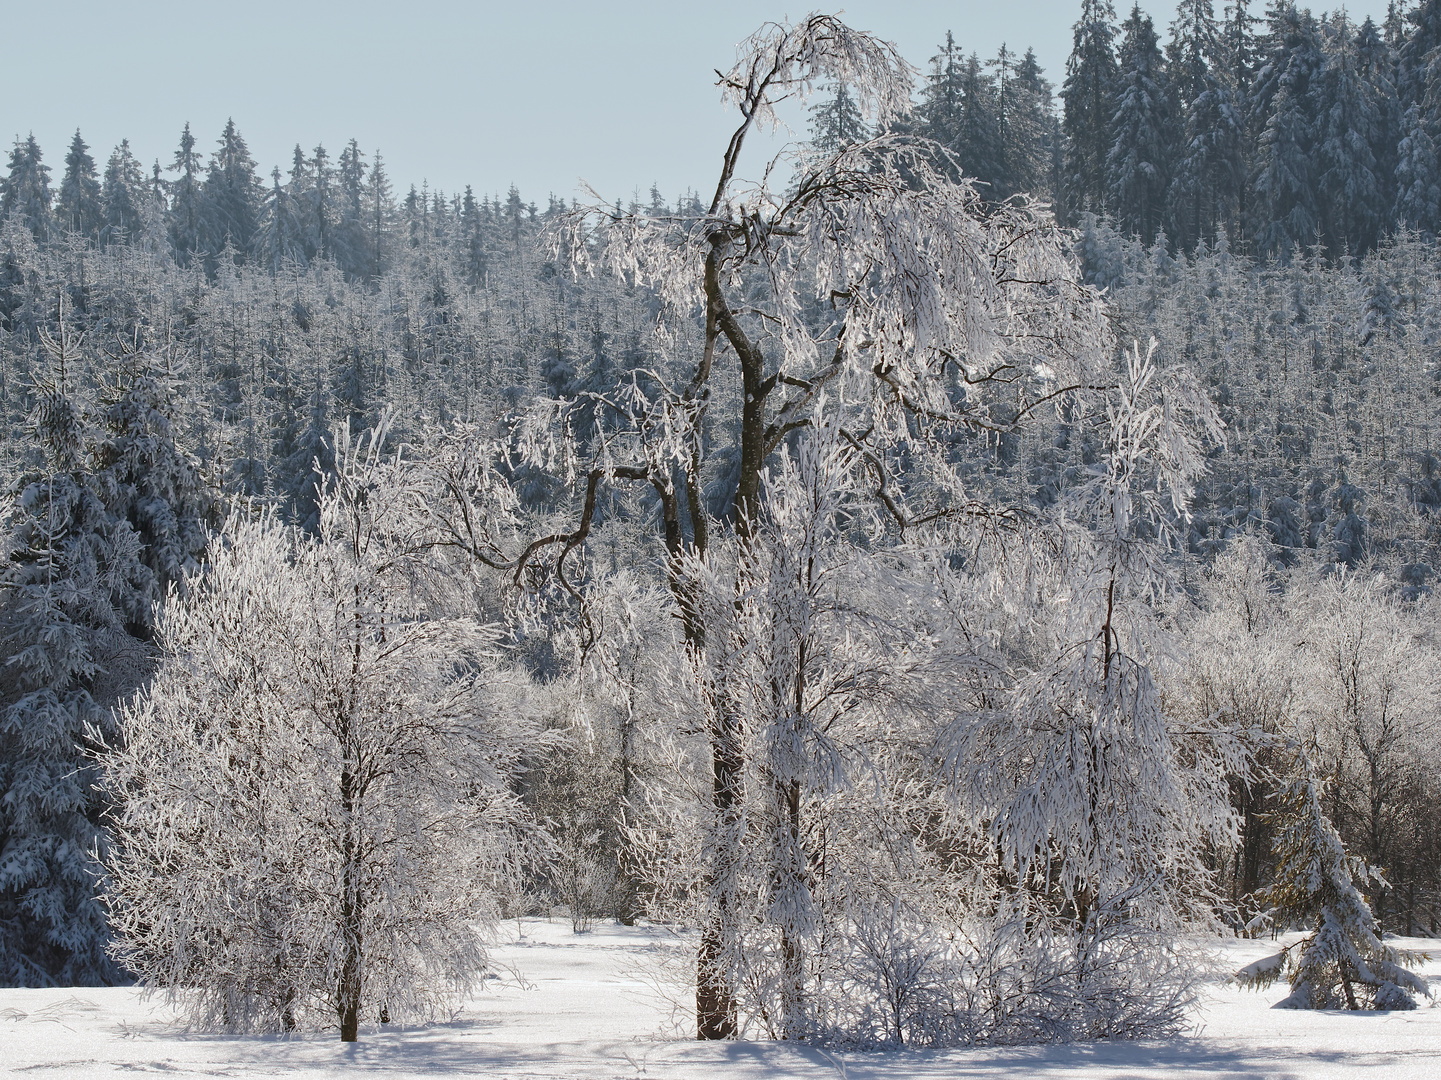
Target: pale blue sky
[538, 93]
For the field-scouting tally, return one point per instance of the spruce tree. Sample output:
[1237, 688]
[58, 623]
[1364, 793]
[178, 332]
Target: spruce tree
[1036, 105]
[1352, 195]
[1342, 963]
[351, 248]
[473, 240]
[939, 111]
[1021, 129]
[836, 122]
[78, 208]
[978, 134]
[1204, 197]
[379, 218]
[230, 197]
[1418, 177]
[315, 199]
[1286, 211]
[124, 196]
[25, 191]
[186, 227]
[1089, 93]
[1143, 133]
[280, 240]
[67, 565]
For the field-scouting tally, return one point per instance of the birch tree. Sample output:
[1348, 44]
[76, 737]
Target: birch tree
[313, 804]
[869, 281]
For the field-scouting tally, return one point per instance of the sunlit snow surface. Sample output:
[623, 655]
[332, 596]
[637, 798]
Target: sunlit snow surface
[583, 1006]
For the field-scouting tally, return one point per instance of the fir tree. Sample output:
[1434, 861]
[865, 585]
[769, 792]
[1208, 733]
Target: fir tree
[69, 568]
[124, 196]
[280, 240]
[1043, 128]
[1089, 93]
[1353, 199]
[1021, 129]
[1342, 962]
[978, 133]
[379, 216]
[472, 233]
[315, 197]
[231, 199]
[78, 209]
[186, 227]
[1204, 197]
[836, 122]
[939, 111]
[351, 247]
[1418, 177]
[1286, 207]
[25, 190]
[1143, 127]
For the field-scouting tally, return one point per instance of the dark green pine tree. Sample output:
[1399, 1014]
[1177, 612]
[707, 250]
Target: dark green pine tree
[1418, 60]
[1240, 52]
[1353, 194]
[416, 212]
[939, 111]
[78, 208]
[351, 249]
[978, 131]
[185, 226]
[1144, 133]
[836, 122]
[1034, 93]
[1089, 95]
[1285, 208]
[473, 252]
[1204, 198]
[1376, 65]
[280, 241]
[25, 190]
[124, 196]
[312, 183]
[1418, 176]
[92, 541]
[65, 563]
[379, 218]
[230, 199]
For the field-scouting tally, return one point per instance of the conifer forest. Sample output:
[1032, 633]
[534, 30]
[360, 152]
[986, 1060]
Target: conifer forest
[945, 583]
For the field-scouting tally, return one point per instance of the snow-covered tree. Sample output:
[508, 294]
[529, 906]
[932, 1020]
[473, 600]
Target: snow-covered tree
[25, 189]
[1418, 177]
[1285, 212]
[1350, 127]
[78, 206]
[1089, 93]
[70, 569]
[836, 122]
[186, 225]
[124, 196]
[876, 276]
[1143, 132]
[1342, 962]
[1094, 795]
[230, 197]
[1205, 194]
[313, 802]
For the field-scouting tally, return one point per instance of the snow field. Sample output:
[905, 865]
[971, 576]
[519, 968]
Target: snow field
[566, 1006]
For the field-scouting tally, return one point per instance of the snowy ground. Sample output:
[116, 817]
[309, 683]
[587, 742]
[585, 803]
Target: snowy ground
[581, 1006]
